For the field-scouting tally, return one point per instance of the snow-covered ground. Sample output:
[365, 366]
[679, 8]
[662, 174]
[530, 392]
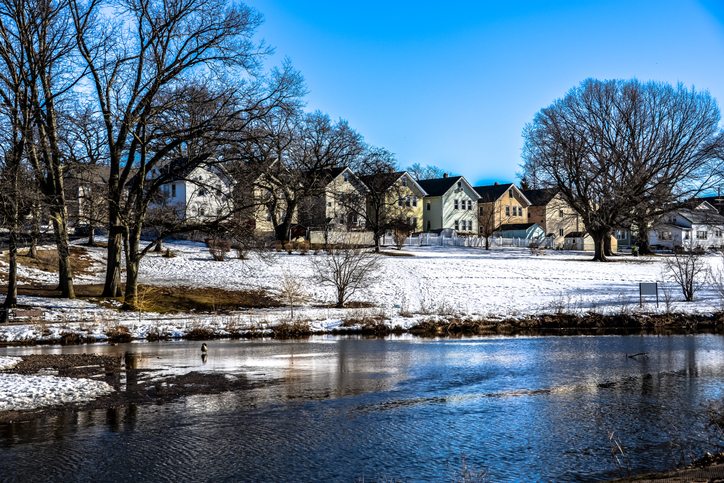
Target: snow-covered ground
[504, 282]
[18, 392]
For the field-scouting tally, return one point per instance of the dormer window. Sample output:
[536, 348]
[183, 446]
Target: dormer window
[346, 177]
[460, 185]
[404, 181]
[510, 193]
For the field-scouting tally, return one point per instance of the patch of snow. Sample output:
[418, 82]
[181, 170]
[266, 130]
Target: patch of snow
[8, 362]
[18, 392]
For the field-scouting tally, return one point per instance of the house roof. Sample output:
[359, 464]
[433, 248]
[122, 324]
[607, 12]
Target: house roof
[715, 201]
[438, 186]
[384, 181]
[702, 217]
[180, 168]
[540, 197]
[515, 226]
[673, 227]
[576, 234]
[493, 192]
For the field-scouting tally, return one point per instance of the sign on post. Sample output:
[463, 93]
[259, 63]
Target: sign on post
[648, 289]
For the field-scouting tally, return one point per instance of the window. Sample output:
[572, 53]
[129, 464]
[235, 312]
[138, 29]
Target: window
[457, 225]
[202, 192]
[428, 209]
[346, 177]
[529, 215]
[202, 211]
[560, 213]
[352, 218]
[268, 215]
[428, 226]
[507, 211]
[460, 185]
[329, 203]
[414, 222]
[701, 235]
[407, 201]
[470, 225]
[404, 181]
[560, 232]
[408, 220]
[482, 211]
[414, 201]
[665, 235]
[480, 230]
[470, 205]
[510, 193]
[399, 201]
[621, 235]
[718, 233]
[457, 203]
[341, 218]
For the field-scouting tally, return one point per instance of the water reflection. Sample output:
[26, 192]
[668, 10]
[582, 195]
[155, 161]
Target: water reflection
[530, 408]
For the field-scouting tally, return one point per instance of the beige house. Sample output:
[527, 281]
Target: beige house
[553, 213]
[338, 207]
[403, 198]
[499, 205]
[451, 203]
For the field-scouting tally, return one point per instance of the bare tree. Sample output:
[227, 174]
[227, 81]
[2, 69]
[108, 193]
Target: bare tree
[615, 147]
[689, 269]
[490, 218]
[421, 173]
[347, 269]
[292, 290]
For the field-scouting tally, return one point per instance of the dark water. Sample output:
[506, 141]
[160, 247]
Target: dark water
[337, 409]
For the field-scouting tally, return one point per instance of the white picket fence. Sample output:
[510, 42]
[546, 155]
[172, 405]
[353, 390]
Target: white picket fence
[425, 239]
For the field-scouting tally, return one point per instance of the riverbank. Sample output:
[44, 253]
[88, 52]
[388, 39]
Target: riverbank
[368, 324]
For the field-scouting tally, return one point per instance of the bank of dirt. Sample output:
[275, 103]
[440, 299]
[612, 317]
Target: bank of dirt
[131, 385]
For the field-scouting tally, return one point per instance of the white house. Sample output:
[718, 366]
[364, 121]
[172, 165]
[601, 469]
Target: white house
[698, 227]
[451, 203]
[195, 191]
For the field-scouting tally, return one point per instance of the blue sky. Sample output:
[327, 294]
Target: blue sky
[454, 83]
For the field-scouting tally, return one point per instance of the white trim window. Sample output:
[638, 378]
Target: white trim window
[507, 210]
[457, 225]
[702, 235]
[665, 235]
[400, 203]
[456, 204]
[345, 175]
[470, 225]
[414, 201]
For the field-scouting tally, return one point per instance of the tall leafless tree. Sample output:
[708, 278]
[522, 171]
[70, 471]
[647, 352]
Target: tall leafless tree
[613, 147]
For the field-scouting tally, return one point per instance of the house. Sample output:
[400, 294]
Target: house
[402, 201]
[500, 204]
[342, 199]
[530, 231]
[698, 226]
[193, 191]
[86, 188]
[450, 203]
[268, 199]
[582, 241]
[550, 210]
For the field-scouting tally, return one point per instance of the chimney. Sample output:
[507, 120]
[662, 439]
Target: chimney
[444, 175]
[497, 184]
[390, 170]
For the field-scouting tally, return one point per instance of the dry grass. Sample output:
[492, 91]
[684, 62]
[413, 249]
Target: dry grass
[47, 261]
[294, 329]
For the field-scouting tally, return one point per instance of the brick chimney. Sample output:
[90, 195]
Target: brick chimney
[444, 175]
[497, 184]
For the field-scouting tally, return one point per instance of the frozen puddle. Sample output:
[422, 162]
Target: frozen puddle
[18, 392]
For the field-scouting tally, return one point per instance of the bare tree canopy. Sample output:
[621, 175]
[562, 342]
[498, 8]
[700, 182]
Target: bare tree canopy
[618, 147]
[421, 173]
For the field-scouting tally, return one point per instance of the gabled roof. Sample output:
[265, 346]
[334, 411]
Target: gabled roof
[540, 197]
[440, 186]
[702, 217]
[716, 202]
[385, 180]
[180, 168]
[493, 192]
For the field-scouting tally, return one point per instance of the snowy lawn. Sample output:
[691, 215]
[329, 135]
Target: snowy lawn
[435, 281]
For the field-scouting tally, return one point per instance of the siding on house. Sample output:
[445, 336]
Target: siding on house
[453, 203]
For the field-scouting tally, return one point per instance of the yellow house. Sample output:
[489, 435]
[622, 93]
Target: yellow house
[398, 198]
[500, 204]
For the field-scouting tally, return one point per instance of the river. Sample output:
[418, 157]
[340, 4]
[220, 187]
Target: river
[337, 409]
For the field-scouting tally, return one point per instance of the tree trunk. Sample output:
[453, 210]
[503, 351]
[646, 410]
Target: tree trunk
[340, 298]
[607, 250]
[92, 236]
[133, 261]
[599, 254]
[34, 231]
[159, 246]
[59, 216]
[112, 287]
[11, 300]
